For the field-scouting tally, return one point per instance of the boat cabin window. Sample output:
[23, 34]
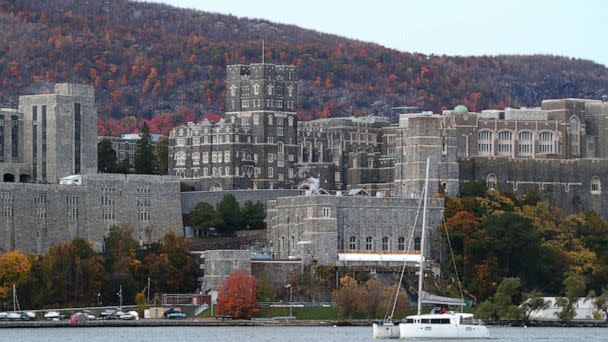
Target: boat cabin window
[425, 320]
[409, 320]
[440, 321]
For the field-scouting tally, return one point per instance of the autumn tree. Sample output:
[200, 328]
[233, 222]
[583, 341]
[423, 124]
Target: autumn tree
[347, 298]
[401, 305]
[371, 302]
[121, 263]
[145, 160]
[14, 270]
[237, 297]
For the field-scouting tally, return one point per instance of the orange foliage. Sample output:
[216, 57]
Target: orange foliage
[237, 297]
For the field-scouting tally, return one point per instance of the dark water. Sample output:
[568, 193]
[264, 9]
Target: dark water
[290, 334]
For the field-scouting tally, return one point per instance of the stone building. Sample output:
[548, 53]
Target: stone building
[254, 146]
[126, 144]
[317, 228]
[33, 217]
[49, 145]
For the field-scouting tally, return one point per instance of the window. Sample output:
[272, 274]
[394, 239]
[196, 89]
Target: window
[401, 243]
[575, 135]
[279, 131]
[270, 120]
[505, 143]
[545, 142]
[352, 243]
[596, 186]
[227, 156]
[205, 157]
[270, 172]
[196, 158]
[337, 176]
[325, 212]
[385, 243]
[391, 151]
[269, 140]
[77, 135]
[491, 181]
[417, 244]
[485, 143]
[368, 243]
[180, 158]
[525, 148]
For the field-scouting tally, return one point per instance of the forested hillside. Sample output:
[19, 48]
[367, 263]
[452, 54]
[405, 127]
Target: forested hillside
[167, 65]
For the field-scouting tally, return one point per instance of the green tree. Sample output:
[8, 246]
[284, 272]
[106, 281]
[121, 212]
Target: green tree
[145, 160]
[204, 216]
[230, 213]
[533, 301]
[253, 215]
[574, 287]
[106, 157]
[162, 151]
[504, 304]
[121, 264]
[601, 303]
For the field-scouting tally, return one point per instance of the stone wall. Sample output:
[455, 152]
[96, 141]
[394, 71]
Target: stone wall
[277, 272]
[562, 182]
[219, 264]
[33, 217]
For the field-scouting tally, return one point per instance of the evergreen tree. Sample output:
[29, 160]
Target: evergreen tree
[204, 216]
[145, 160]
[230, 212]
[106, 157]
[253, 215]
[162, 151]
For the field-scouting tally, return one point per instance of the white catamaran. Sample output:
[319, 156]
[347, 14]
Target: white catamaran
[437, 324]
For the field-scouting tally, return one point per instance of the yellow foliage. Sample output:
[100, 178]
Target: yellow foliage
[14, 269]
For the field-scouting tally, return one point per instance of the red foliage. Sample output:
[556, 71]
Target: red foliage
[237, 297]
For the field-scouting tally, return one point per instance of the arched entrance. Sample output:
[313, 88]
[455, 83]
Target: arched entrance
[24, 178]
[9, 178]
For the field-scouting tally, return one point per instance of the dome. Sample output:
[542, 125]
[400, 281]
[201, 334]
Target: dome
[460, 109]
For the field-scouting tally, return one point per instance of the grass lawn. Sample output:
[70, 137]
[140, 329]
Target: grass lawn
[307, 313]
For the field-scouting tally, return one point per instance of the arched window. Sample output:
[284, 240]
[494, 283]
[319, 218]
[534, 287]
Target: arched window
[401, 243]
[546, 142]
[352, 243]
[417, 244]
[491, 181]
[485, 143]
[385, 243]
[280, 147]
[575, 135]
[505, 143]
[292, 246]
[368, 243]
[525, 141]
[196, 158]
[596, 186]
[180, 158]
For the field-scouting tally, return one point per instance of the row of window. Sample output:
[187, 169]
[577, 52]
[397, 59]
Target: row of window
[595, 186]
[505, 142]
[385, 245]
[248, 171]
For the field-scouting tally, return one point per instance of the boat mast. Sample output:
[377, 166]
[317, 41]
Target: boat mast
[422, 237]
[14, 298]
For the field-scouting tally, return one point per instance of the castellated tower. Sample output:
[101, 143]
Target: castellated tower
[423, 136]
[61, 131]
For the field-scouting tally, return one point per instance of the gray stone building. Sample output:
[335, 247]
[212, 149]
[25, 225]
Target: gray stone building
[254, 146]
[126, 144]
[317, 228]
[51, 192]
[33, 217]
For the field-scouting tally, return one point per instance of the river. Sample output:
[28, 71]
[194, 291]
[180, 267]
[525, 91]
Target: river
[254, 334]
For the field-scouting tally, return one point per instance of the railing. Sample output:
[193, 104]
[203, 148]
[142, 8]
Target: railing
[376, 251]
[296, 304]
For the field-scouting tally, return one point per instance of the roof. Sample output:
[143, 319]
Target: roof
[461, 109]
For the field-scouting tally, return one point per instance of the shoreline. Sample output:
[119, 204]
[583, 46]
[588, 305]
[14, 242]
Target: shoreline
[259, 323]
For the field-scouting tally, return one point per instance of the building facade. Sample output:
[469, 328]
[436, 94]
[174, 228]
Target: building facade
[316, 228]
[254, 146]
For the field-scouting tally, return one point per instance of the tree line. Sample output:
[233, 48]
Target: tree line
[74, 274]
[497, 236]
[229, 215]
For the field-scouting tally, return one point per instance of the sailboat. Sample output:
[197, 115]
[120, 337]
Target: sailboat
[438, 323]
[16, 313]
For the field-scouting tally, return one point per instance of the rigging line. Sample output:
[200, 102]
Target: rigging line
[409, 244]
[453, 261]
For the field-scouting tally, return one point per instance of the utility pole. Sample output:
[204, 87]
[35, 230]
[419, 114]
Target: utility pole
[288, 286]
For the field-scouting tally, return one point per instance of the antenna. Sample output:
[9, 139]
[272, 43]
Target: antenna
[262, 51]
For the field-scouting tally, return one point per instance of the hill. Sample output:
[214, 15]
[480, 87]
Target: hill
[166, 65]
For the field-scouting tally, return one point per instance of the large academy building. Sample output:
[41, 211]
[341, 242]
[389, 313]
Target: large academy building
[51, 191]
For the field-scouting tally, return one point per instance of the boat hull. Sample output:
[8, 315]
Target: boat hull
[386, 330]
[460, 331]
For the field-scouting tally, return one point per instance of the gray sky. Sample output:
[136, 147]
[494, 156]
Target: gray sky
[466, 27]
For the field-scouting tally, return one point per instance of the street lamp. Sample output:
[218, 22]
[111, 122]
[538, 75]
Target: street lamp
[99, 298]
[288, 286]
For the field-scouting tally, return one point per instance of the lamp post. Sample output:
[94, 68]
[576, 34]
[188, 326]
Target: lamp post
[99, 298]
[288, 286]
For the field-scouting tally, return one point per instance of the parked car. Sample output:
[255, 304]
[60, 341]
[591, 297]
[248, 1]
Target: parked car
[176, 315]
